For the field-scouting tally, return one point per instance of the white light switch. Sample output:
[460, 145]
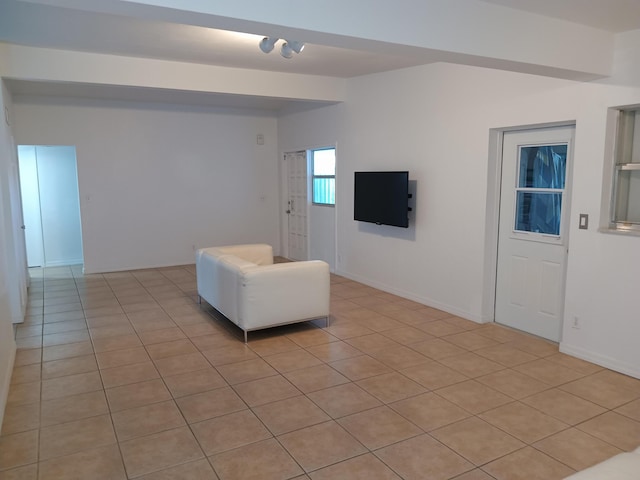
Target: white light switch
[260, 139]
[584, 221]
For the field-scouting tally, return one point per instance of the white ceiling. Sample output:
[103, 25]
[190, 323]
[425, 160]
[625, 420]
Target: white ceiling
[40, 25]
[611, 15]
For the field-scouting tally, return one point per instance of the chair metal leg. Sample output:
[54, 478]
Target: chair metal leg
[245, 336]
[199, 300]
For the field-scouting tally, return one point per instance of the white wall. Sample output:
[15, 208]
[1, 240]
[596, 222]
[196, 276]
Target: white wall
[8, 277]
[435, 121]
[157, 181]
[322, 234]
[602, 280]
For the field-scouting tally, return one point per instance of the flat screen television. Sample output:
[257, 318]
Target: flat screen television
[381, 198]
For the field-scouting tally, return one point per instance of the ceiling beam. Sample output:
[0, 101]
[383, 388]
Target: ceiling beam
[468, 32]
[48, 65]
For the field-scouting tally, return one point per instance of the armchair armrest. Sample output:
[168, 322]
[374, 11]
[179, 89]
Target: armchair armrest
[283, 293]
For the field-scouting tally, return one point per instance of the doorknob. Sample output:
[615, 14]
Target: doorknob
[22, 227]
[288, 212]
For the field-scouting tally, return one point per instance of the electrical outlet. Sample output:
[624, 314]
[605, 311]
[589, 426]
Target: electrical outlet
[576, 322]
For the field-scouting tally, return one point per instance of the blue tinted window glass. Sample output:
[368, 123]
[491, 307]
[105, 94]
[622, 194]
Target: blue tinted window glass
[543, 166]
[538, 212]
[324, 190]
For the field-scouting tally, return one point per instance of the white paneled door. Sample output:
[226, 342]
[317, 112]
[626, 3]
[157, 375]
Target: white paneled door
[297, 205]
[533, 230]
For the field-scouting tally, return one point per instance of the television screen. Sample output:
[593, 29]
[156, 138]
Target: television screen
[382, 198]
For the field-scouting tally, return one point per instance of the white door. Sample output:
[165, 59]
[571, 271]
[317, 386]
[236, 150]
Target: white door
[21, 279]
[533, 230]
[31, 205]
[297, 204]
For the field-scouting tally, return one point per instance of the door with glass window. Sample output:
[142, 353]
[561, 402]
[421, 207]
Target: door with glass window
[533, 230]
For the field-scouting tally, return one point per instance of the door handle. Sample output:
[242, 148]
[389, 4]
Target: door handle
[23, 227]
[288, 212]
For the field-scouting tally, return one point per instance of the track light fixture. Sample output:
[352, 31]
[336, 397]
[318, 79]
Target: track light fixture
[267, 43]
[289, 47]
[286, 51]
[295, 45]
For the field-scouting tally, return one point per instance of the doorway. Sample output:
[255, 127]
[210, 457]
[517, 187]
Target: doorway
[310, 225]
[51, 205]
[533, 230]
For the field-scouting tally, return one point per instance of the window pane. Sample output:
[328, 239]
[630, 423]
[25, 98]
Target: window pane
[626, 187]
[543, 166]
[627, 143]
[324, 190]
[627, 197]
[324, 162]
[538, 212]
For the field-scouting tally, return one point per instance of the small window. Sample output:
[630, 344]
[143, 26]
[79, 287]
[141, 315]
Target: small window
[625, 205]
[540, 189]
[323, 168]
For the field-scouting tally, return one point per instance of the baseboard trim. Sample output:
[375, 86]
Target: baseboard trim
[6, 375]
[93, 269]
[602, 360]
[64, 263]
[416, 298]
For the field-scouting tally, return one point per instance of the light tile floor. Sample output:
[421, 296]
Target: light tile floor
[124, 375]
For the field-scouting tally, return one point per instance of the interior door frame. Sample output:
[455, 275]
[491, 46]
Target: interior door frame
[492, 220]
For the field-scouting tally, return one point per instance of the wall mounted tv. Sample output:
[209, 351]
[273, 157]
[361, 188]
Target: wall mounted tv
[382, 198]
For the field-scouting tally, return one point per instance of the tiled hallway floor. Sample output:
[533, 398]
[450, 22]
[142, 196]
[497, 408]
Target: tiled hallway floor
[124, 375]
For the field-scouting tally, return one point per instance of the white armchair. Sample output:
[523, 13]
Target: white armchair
[243, 283]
